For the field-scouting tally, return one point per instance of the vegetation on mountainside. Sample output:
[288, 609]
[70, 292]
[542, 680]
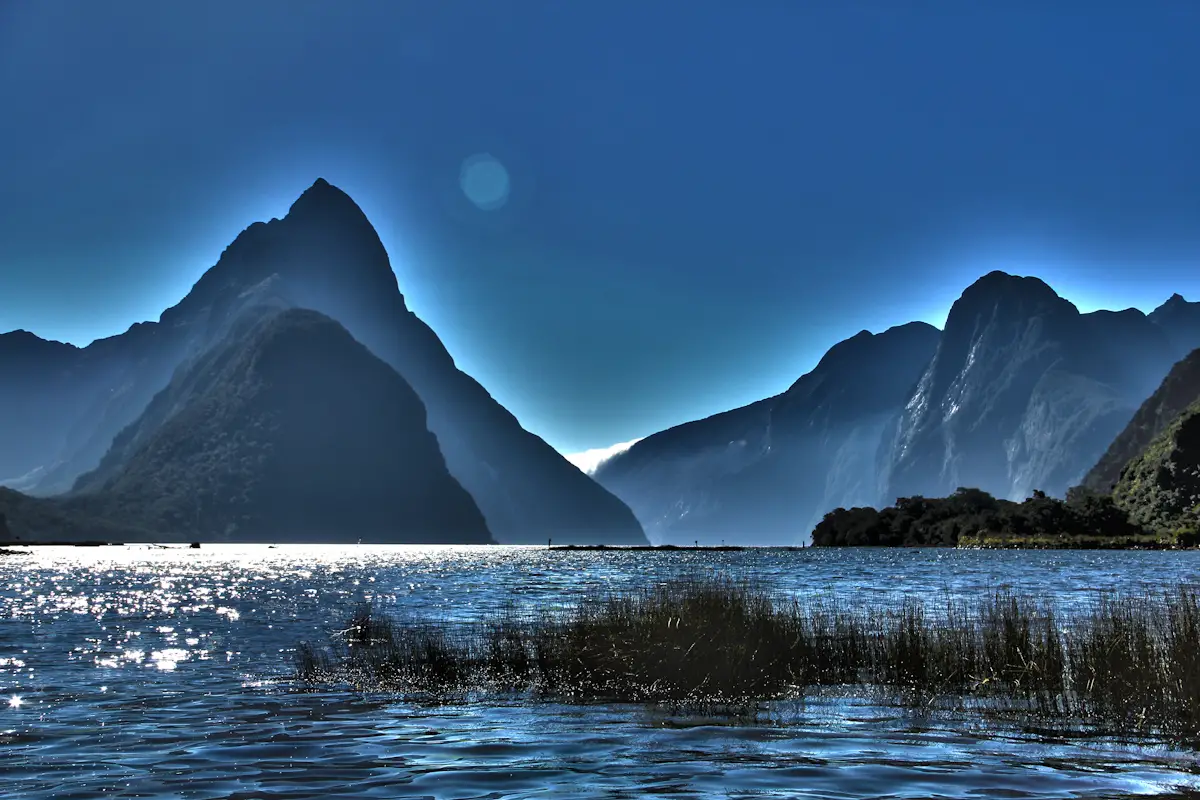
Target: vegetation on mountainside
[1123, 665]
[1160, 488]
[39, 519]
[290, 430]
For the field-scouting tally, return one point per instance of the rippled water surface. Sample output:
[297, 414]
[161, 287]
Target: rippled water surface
[142, 672]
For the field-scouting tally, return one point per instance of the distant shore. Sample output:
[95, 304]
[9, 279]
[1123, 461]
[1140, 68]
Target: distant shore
[1068, 542]
[965, 542]
[90, 543]
[667, 547]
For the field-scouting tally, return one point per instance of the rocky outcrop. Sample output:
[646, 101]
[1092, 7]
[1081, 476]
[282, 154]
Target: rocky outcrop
[767, 472]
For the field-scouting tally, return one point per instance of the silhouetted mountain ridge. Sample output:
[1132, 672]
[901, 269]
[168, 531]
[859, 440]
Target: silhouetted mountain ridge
[325, 255]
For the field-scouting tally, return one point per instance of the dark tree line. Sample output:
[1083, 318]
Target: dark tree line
[939, 522]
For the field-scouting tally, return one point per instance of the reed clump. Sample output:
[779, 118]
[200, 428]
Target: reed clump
[1119, 664]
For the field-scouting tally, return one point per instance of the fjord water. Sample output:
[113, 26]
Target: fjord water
[144, 672]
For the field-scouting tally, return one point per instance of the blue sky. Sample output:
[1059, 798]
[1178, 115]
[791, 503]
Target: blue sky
[699, 202]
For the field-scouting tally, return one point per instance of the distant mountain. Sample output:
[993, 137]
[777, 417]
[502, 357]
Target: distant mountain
[37, 401]
[1024, 392]
[1180, 320]
[287, 430]
[1020, 392]
[1174, 395]
[767, 472]
[324, 255]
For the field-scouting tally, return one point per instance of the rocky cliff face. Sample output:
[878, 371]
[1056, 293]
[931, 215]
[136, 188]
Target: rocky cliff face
[287, 430]
[326, 256]
[765, 473]
[1024, 392]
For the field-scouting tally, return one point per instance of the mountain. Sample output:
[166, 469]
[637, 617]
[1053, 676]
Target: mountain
[766, 473]
[1023, 393]
[287, 430]
[324, 255]
[1020, 392]
[1178, 390]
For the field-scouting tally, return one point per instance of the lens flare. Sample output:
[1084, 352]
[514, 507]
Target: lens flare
[484, 181]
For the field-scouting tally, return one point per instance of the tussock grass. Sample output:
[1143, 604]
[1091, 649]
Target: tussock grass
[1121, 665]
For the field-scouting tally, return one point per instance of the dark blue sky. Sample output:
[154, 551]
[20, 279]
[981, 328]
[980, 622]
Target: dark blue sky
[703, 196]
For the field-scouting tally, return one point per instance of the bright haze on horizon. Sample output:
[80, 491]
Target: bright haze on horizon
[618, 216]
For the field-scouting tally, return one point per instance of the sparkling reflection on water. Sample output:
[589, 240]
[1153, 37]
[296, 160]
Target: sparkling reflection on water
[142, 672]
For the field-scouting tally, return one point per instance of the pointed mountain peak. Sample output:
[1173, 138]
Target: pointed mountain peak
[1175, 301]
[324, 250]
[325, 198]
[1180, 320]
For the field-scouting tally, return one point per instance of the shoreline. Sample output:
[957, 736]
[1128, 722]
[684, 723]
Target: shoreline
[666, 547]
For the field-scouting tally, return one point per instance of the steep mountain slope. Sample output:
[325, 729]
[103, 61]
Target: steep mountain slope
[1178, 390]
[767, 472]
[1023, 393]
[325, 255]
[288, 430]
[1160, 487]
[36, 401]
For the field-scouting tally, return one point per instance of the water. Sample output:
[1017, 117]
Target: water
[139, 672]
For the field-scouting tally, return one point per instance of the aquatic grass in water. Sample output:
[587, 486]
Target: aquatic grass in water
[1122, 665]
